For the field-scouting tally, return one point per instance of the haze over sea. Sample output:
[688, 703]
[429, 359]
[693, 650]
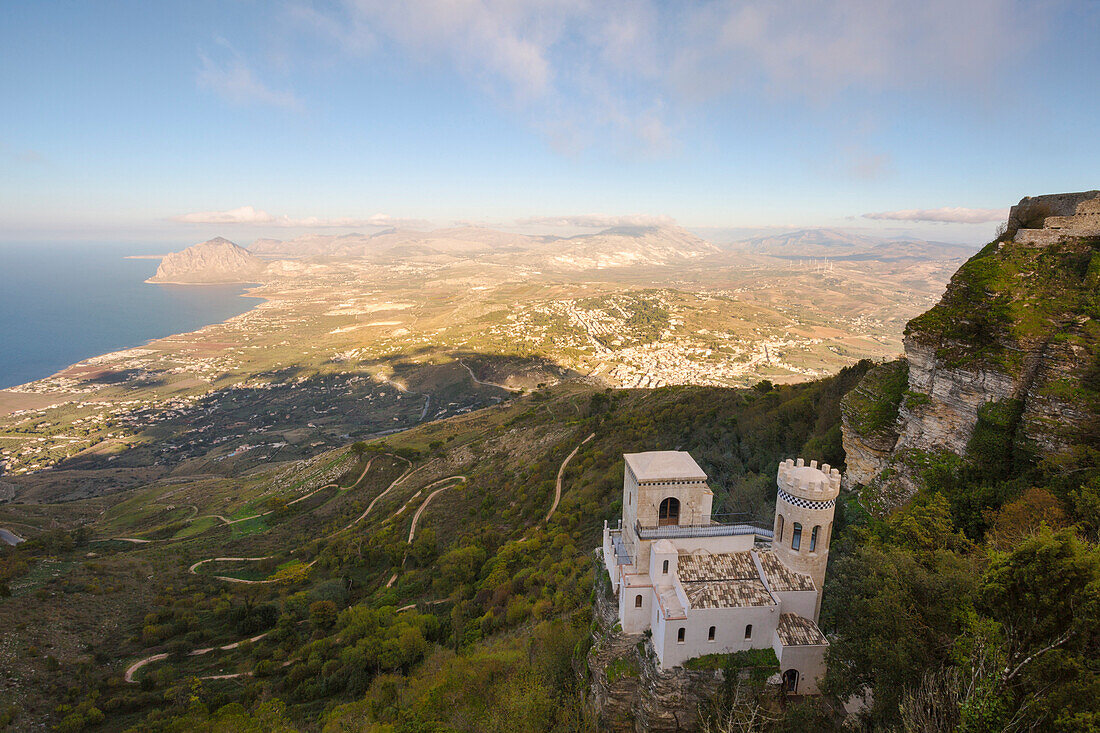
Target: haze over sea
[60, 304]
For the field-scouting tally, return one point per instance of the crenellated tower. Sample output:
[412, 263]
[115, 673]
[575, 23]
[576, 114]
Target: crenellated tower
[804, 518]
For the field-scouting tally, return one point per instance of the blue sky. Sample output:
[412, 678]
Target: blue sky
[178, 121]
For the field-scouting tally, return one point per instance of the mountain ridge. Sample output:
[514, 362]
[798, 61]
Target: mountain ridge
[215, 261]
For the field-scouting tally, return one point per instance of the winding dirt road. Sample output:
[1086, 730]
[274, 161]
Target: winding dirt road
[416, 517]
[561, 473]
[488, 384]
[133, 668]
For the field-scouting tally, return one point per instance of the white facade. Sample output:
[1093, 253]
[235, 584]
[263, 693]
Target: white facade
[703, 586]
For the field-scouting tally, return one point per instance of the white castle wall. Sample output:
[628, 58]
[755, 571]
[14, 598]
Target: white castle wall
[729, 633]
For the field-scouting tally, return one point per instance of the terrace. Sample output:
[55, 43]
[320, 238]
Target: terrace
[717, 525]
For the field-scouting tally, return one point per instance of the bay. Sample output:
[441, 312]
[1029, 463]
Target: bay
[63, 303]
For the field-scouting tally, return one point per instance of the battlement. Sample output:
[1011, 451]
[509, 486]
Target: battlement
[808, 482]
[1042, 220]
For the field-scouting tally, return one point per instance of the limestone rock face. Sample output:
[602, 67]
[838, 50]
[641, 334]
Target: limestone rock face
[866, 455]
[1008, 360]
[215, 261]
[869, 421]
[947, 419]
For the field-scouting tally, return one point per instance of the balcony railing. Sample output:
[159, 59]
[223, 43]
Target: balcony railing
[712, 528]
[623, 556]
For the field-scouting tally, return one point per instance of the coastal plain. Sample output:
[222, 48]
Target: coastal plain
[353, 344]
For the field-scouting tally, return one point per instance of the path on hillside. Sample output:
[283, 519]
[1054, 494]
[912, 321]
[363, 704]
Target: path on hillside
[561, 473]
[133, 668]
[408, 472]
[488, 384]
[226, 521]
[300, 498]
[416, 517]
[228, 579]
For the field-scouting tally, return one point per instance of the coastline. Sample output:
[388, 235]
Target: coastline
[254, 283]
[15, 398]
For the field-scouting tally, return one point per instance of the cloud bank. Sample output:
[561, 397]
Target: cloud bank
[949, 214]
[257, 217]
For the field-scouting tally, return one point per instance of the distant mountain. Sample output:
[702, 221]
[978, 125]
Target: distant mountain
[215, 261]
[628, 246]
[615, 247]
[836, 244]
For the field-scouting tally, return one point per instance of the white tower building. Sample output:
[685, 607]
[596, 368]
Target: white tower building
[804, 510]
[704, 585]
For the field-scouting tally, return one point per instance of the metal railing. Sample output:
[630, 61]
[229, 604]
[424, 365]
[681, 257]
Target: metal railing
[623, 555]
[710, 529]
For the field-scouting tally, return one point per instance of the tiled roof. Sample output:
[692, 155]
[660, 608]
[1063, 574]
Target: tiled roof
[794, 630]
[727, 593]
[781, 578]
[721, 580]
[716, 566]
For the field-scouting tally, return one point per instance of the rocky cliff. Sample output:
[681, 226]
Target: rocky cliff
[215, 261]
[1008, 360]
[629, 692]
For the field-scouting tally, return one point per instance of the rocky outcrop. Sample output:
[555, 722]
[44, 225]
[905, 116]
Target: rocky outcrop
[868, 421]
[215, 261]
[941, 407]
[628, 690]
[1010, 356]
[1042, 220]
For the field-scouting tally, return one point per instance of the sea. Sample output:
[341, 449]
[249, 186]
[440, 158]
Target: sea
[63, 303]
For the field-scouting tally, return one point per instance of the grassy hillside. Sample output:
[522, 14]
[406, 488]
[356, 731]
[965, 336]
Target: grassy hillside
[361, 625]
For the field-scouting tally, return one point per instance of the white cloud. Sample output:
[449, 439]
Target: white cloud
[616, 72]
[596, 221]
[257, 217]
[948, 214]
[814, 50]
[234, 81]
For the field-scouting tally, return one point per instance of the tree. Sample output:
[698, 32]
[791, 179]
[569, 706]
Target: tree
[322, 614]
[1024, 517]
[898, 612]
[1044, 594]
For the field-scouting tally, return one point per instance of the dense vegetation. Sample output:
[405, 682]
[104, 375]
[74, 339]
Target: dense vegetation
[502, 616]
[976, 607]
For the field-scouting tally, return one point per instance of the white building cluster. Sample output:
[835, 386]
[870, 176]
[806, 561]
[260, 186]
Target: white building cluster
[703, 586]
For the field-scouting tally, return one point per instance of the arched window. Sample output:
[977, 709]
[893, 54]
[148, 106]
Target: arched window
[637, 601]
[664, 567]
[710, 634]
[796, 536]
[779, 528]
[669, 512]
[680, 636]
[748, 631]
[813, 539]
[790, 681]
